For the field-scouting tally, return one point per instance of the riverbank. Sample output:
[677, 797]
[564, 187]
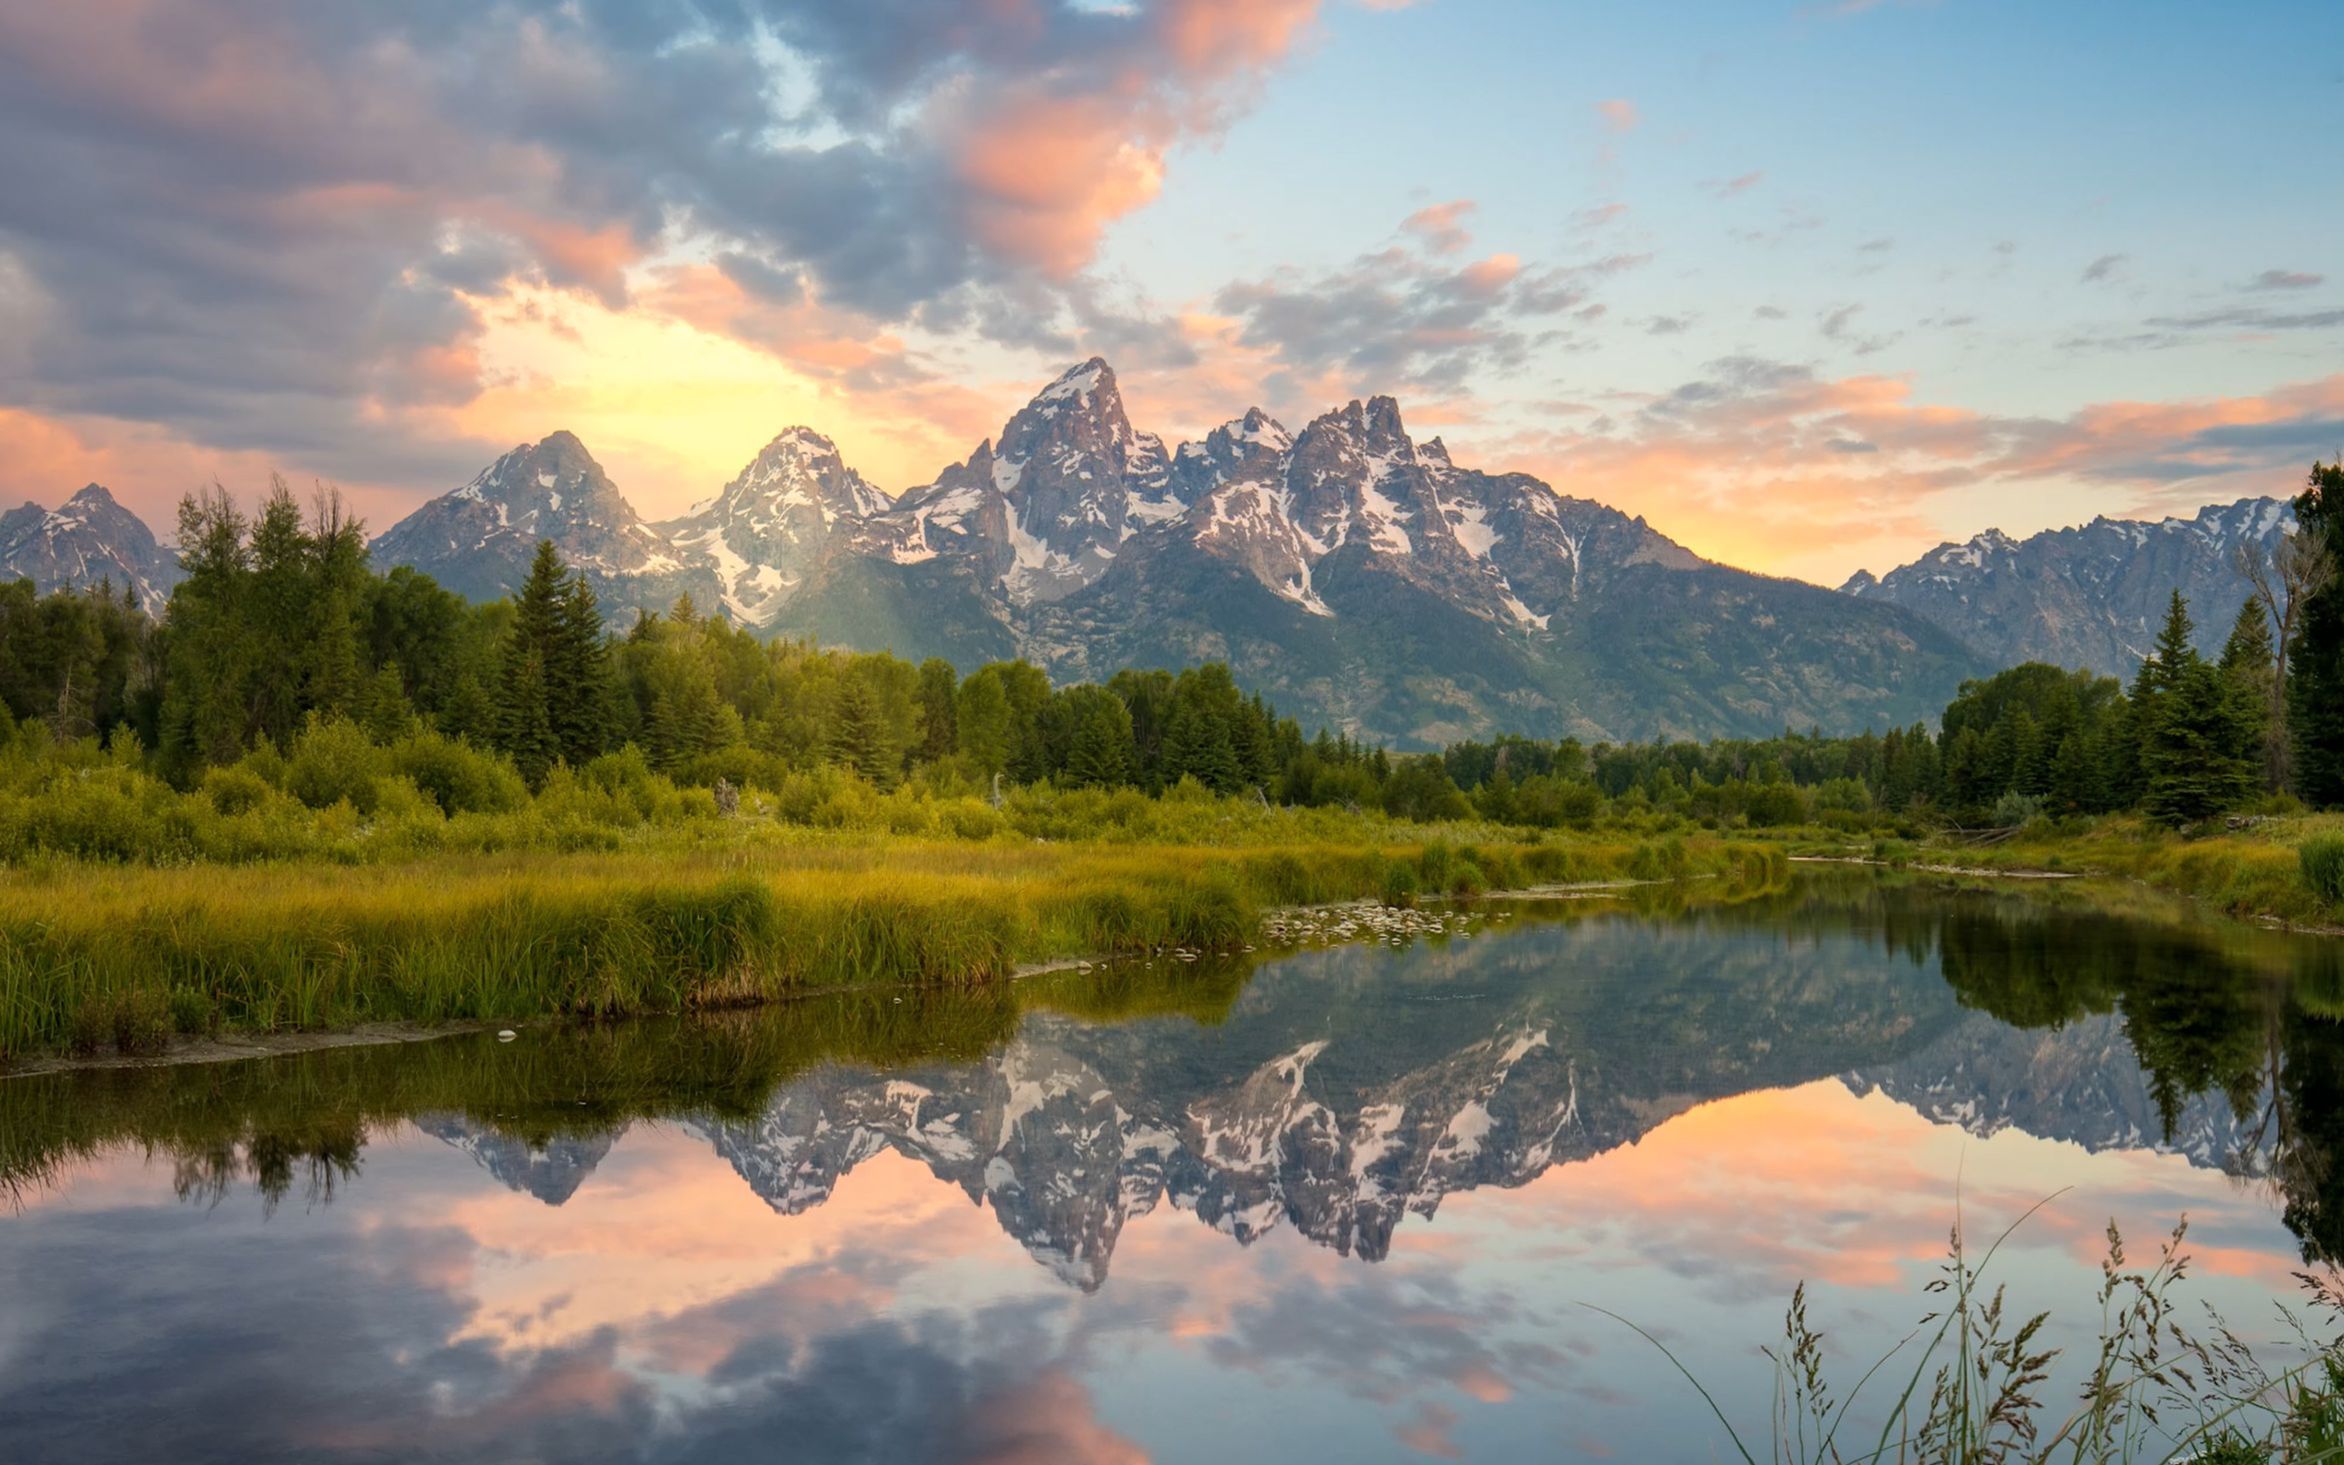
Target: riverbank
[115, 959]
[2254, 872]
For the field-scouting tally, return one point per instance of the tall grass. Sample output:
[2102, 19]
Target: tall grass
[2288, 869]
[2322, 860]
[125, 956]
[1976, 1389]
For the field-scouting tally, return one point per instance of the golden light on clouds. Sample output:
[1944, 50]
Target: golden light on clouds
[674, 409]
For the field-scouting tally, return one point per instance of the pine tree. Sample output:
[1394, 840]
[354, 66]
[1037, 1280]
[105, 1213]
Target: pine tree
[524, 733]
[1099, 752]
[853, 740]
[2315, 663]
[526, 727]
[2250, 670]
[938, 731]
[1198, 745]
[578, 681]
[981, 717]
[2196, 759]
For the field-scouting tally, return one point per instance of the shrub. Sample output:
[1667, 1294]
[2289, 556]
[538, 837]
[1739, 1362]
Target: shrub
[458, 777]
[235, 789]
[334, 762]
[2322, 860]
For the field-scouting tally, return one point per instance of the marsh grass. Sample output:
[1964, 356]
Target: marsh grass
[1975, 1379]
[2289, 869]
[127, 956]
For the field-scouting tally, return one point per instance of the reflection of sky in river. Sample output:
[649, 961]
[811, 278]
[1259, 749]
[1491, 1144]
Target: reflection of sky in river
[664, 1311]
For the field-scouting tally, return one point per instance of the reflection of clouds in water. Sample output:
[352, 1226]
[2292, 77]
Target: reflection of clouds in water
[322, 1342]
[854, 1275]
[667, 1314]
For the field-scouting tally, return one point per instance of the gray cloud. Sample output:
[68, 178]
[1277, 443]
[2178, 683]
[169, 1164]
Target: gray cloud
[2104, 268]
[267, 225]
[2285, 280]
[2243, 319]
[1839, 326]
[1400, 318]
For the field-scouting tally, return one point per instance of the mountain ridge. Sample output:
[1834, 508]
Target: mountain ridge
[1364, 580]
[2091, 595]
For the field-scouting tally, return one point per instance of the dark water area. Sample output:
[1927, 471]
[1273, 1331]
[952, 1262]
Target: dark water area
[1354, 1203]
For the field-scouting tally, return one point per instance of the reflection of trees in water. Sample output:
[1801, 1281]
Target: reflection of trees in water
[1652, 1008]
[2256, 1018]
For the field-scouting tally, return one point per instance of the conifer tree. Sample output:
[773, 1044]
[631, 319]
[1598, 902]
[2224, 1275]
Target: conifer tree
[2250, 671]
[938, 732]
[1099, 750]
[853, 741]
[524, 732]
[2315, 663]
[981, 715]
[528, 730]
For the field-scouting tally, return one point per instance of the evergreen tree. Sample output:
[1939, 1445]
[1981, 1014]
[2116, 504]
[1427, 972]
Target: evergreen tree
[2250, 670]
[524, 732]
[1198, 745]
[528, 730]
[2197, 759]
[981, 715]
[854, 733]
[578, 675]
[938, 732]
[1099, 748]
[2315, 663]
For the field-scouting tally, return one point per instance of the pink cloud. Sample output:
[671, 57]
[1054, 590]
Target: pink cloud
[1618, 114]
[1441, 225]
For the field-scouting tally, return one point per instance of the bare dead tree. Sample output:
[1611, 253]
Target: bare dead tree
[2284, 580]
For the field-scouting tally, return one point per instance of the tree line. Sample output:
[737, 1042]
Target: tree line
[281, 624]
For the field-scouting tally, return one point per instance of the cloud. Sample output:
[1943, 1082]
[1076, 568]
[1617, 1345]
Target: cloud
[1741, 183]
[1771, 463]
[1441, 225]
[284, 228]
[1838, 326]
[2105, 268]
[1402, 318]
[2251, 320]
[1618, 114]
[2284, 280]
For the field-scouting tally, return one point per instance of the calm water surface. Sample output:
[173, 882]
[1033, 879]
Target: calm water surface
[1352, 1204]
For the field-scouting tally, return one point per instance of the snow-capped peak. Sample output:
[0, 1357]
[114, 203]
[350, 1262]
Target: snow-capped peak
[1077, 382]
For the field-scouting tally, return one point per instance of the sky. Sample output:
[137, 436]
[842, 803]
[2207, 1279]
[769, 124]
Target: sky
[1812, 285]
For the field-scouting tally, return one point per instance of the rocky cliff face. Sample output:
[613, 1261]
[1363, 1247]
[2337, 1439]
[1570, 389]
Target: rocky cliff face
[87, 541]
[478, 540]
[2087, 597]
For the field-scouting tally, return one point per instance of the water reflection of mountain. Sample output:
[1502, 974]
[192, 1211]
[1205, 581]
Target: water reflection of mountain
[1346, 1088]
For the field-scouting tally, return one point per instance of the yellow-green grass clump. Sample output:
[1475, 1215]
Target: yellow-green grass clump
[2277, 868]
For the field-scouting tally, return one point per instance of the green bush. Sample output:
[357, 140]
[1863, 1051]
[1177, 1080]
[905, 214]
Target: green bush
[2322, 858]
[458, 777]
[334, 762]
[235, 789]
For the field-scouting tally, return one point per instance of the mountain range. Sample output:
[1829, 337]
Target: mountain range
[2092, 596]
[1362, 579]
